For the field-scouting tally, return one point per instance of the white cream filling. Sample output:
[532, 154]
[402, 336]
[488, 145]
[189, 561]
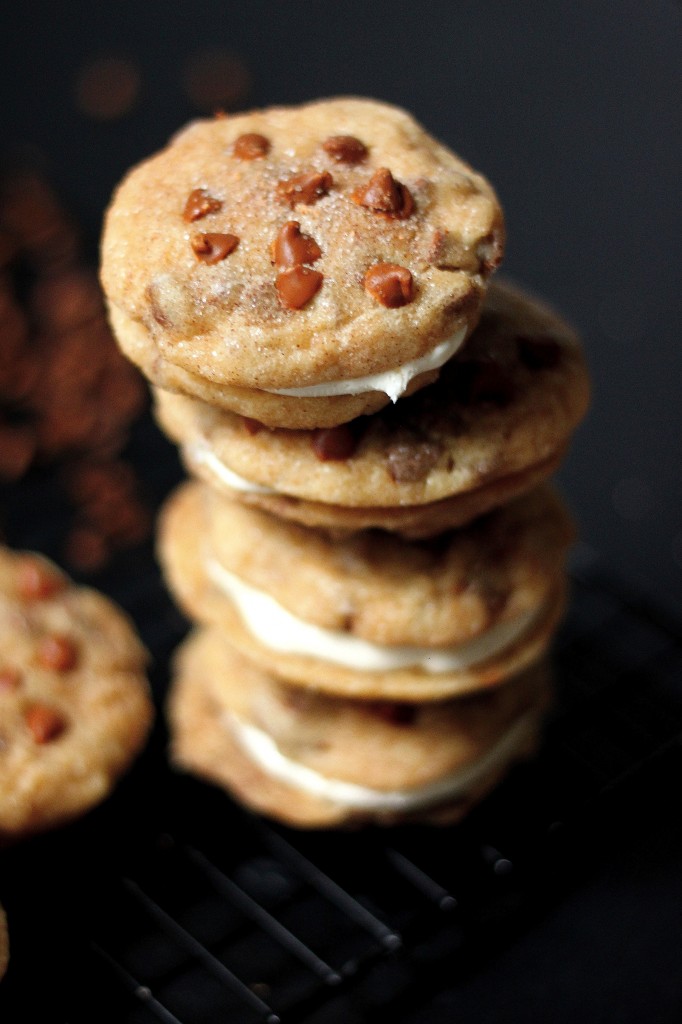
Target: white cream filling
[262, 749]
[392, 382]
[199, 454]
[277, 629]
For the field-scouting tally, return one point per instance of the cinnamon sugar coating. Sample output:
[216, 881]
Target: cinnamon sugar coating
[211, 330]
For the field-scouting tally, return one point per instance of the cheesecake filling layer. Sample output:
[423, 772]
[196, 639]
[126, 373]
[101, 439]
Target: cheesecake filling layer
[263, 750]
[276, 628]
[393, 383]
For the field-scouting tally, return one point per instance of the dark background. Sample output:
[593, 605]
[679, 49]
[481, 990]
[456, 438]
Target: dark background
[572, 110]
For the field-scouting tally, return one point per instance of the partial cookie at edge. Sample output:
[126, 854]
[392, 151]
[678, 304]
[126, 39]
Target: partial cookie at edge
[75, 702]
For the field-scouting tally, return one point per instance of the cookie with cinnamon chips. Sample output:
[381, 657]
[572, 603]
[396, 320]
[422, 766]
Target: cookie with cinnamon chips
[75, 707]
[299, 265]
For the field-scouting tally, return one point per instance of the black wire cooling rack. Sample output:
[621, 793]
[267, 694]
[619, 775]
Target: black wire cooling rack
[170, 904]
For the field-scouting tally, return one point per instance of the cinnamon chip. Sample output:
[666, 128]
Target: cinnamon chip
[345, 149]
[305, 188]
[390, 284]
[45, 723]
[213, 246]
[10, 679]
[333, 443]
[58, 653]
[251, 146]
[297, 285]
[199, 204]
[292, 247]
[35, 582]
[384, 194]
[411, 459]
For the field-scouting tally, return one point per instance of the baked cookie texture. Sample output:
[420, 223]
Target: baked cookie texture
[367, 545]
[395, 762]
[371, 615]
[294, 248]
[75, 707]
[496, 422]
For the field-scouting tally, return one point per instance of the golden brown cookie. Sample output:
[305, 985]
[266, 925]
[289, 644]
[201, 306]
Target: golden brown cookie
[495, 423]
[314, 761]
[372, 615]
[300, 265]
[75, 706]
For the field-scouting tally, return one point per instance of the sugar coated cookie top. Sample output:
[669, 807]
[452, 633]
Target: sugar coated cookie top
[302, 247]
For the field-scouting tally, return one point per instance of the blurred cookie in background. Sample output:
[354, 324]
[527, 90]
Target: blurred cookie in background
[75, 706]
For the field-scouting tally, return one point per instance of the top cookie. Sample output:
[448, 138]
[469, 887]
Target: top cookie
[300, 265]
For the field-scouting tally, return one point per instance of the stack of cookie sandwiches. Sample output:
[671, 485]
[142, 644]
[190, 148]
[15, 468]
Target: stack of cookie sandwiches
[366, 541]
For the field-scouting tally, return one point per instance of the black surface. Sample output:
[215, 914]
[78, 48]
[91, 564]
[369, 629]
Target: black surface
[573, 111]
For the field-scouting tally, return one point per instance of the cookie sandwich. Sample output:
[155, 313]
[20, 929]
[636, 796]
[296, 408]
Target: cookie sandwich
[75, 707]
[496, 422]
[311, 760]
[299, 265]
[372, 615]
